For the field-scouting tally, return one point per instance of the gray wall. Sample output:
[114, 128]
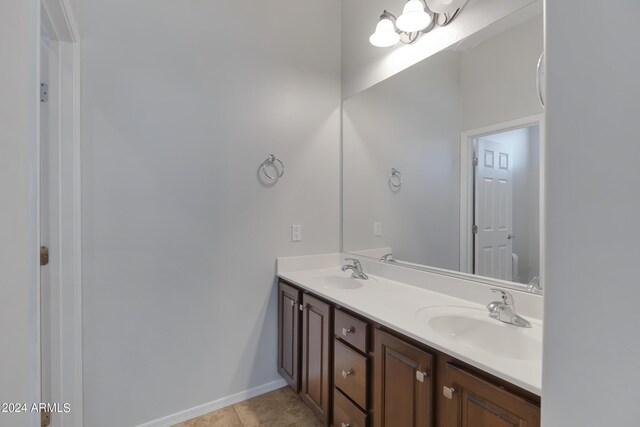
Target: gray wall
[591, 346]
[410, 122]
[19, 355]
[182, 102]
[498, 76]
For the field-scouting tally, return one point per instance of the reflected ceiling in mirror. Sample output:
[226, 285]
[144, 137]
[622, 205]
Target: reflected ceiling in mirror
[441, 161]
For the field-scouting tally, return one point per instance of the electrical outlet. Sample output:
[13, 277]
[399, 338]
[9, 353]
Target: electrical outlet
[296, 233]
[377, 229]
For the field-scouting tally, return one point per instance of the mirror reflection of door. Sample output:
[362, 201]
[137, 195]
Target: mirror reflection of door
[506, 205]
[494, 209]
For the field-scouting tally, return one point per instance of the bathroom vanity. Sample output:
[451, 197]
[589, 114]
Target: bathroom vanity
[441, 204]
[362, 353]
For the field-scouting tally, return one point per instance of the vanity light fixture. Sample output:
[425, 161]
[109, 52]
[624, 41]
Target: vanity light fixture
[417, 18]
[414, 17]
[385, 34]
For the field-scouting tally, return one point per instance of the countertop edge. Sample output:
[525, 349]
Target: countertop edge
[492, 371]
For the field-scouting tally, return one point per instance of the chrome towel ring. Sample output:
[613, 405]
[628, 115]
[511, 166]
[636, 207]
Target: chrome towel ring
[540, 78]
[395, 178]
[271, 162]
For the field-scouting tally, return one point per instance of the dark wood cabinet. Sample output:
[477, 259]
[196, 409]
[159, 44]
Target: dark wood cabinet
[403, 384]
[354, 372]
[346, 413]
[316, 350]
[289, 335]
[471, 401]
[352, 330]
[350, 373]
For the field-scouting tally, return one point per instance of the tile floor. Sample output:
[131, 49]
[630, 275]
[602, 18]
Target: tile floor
[280, 408]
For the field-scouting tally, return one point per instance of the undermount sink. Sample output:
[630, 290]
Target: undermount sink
[341, 282]
[474, 328]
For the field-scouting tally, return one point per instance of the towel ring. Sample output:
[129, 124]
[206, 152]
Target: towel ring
[395, 178]
[271, 161]
[540, 78]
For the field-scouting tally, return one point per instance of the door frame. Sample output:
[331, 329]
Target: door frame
[66, 281]
[466, 191]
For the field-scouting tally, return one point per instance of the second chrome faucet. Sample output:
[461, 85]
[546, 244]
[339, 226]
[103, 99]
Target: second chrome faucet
[505, 310]
[356, 268]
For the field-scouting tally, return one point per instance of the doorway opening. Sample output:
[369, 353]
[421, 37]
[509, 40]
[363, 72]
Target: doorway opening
[59, 216]
[501, 202]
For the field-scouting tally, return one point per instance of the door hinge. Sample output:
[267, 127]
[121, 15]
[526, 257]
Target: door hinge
[44, 255]
[474, 161]
[474, 229]
[45, 418]
[44, 92]
[420, 376]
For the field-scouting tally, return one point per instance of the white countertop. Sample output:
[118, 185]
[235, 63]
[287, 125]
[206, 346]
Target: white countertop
[395, 305]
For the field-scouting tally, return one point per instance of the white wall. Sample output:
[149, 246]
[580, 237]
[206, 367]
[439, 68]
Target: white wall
[364, 65]
[74, 5]
[19, 354]
[591, 346]
[498, 76]
[413, 126]
[182, 102]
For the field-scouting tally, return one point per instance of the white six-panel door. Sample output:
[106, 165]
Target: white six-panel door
[494, 210]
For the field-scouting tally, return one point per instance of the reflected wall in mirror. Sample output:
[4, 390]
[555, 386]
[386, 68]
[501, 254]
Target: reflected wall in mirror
[441, 162]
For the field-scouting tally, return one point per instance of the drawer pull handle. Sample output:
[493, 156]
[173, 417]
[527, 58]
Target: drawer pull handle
[346, 424]
[345, 374]
[448, 392]
[346, 331]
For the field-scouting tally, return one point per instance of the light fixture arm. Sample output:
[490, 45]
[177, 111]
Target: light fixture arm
[437, 19]
[388, 15]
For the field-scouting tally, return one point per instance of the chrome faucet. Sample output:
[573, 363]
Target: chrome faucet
[505, 310]
[534, 286]
[356, 268]
[387, 258]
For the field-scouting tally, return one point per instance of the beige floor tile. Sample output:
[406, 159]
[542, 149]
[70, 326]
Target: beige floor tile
[310, 420]
[280, 408]
[225, 417]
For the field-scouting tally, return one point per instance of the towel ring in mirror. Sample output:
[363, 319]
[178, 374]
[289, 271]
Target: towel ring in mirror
[540, 78]
[271, 162]
[395, 178]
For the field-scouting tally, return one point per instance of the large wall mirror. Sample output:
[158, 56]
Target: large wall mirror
[441, 162]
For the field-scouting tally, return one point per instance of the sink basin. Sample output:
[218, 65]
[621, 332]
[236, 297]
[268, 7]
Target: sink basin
[340, 282]
[474, 328]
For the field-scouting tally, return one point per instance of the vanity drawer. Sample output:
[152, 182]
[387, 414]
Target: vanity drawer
[351, 330]
[345, 413]
[350, 373]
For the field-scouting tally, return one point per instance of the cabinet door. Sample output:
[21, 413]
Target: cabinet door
[474, 402]
[316, 341]
[289, 335]
[403, 386]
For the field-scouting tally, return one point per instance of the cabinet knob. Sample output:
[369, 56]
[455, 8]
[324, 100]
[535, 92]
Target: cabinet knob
[293, 303]
[346, 331]
[346, 424]
[302, 307]
[448, 392]
[345, 374]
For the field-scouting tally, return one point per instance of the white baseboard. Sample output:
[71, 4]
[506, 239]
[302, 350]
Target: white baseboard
[205, 408]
